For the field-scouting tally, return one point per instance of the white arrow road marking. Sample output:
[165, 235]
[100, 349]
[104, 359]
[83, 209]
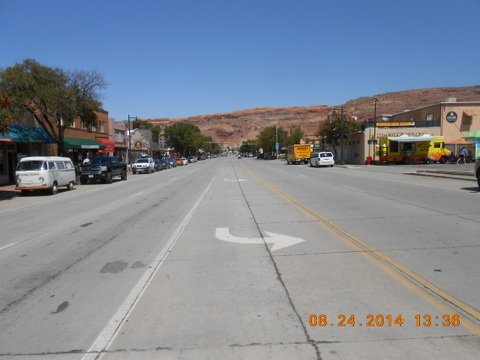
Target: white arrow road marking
[279, 241]
[7, 246]
[236, 180]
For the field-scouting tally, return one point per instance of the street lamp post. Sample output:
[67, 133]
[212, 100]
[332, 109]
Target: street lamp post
[342, 135]
[130, 137]
[342, 132]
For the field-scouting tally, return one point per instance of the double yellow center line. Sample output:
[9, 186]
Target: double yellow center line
[420, 286]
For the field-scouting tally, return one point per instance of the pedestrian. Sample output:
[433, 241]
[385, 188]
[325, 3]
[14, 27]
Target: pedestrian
[462, 155]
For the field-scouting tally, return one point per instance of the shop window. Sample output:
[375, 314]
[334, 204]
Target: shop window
[3, 159]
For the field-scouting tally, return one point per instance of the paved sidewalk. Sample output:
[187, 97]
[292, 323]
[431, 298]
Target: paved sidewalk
[8, 192]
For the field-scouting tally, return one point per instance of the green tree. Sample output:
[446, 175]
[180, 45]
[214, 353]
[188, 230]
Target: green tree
[210, 146]
[5, 118]
[336, 126]
[184, 138]
[249, 146]
[53, 96]
[296, 134]
[267, 138]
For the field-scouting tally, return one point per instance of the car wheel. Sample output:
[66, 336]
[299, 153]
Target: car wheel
[134, 172]
[108, 178]
[54, 189]
[70, 185]
[83, 180]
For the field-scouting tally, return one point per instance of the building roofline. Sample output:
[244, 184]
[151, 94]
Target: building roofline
[472, 102]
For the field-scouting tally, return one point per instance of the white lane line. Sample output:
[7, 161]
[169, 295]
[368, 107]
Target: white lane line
[7, 246]
[136, 194]
[112, 329]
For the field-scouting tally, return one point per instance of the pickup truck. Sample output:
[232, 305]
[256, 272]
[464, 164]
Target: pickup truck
[103, 168]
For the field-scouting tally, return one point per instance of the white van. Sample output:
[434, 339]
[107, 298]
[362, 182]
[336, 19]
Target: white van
[44, 173]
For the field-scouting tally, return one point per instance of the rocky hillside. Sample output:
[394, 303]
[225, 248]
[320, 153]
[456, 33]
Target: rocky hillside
[234, 127]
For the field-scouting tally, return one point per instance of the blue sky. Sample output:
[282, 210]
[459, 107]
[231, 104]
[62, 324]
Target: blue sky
[177, 58]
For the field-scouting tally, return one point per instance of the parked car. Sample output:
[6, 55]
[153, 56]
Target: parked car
[103, 168]
[172, 162]
[157, 164]
[44, 173]
[143, 165]
[182, 161]
[322, 158]
[477, 171]
[165, 164]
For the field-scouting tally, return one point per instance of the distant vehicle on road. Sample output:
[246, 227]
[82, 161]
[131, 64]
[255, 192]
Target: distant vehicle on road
[298, 153]
[44, 173]
[143, 165]
[103, 168]
[322, 158]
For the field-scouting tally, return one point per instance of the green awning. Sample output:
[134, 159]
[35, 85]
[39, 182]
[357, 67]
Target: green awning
[77, 143]
[473, 135]
[26, 134]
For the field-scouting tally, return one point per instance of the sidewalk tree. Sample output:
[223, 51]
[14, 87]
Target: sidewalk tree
[185, 138]
[5, 117]
[249, 146]
[337, 124]
[268, 136]
[296, 134]
[53, 96]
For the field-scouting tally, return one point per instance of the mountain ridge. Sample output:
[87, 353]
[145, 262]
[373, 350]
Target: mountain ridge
[232, 128]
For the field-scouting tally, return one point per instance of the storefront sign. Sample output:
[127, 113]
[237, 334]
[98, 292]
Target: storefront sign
[452, 117]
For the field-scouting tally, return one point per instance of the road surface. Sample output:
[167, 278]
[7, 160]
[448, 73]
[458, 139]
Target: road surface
[244, 259]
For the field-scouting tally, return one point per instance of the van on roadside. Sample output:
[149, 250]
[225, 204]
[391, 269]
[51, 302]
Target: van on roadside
[44, 173]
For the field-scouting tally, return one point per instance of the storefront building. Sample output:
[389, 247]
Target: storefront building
[452, 119]
[19, 141]
[25, 137]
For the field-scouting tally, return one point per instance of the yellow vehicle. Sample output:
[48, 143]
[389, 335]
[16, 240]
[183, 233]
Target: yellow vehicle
[298, 153]
[413, 149]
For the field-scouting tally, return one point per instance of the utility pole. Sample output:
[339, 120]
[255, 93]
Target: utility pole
[342, 136]
[130, 137]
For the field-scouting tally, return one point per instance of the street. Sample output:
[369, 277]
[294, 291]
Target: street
[244, 259]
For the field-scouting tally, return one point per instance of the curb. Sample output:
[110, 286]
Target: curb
[459, 175]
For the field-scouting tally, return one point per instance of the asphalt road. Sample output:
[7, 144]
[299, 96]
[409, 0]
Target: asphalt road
[244, 259]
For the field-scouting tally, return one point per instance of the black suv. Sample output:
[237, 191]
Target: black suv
[103, 168]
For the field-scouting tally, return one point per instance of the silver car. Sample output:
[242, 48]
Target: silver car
[322, 158]
[145, 165]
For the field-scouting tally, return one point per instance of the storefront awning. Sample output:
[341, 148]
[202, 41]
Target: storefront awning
[473, 135]
[78, 143]
[109, 145]
[459, 142]
[26, 134]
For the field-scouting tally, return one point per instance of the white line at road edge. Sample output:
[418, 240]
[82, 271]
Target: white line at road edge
[136, 194]
[111, 330]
